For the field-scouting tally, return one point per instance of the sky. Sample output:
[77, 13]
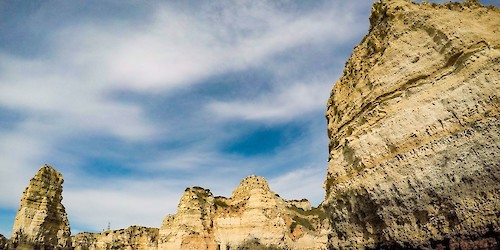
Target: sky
[134, 101]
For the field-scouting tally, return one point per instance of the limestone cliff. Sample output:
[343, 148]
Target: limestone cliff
[3, 242]
[414, 130]
[134, 237]
[41, 221]
[252, 217]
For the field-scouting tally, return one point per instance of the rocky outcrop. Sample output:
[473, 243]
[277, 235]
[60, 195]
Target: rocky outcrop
[3, 242]
[192, 226]
[134, 237]
[303, 204]
[41, 221]
[414, 131]
[252, 217]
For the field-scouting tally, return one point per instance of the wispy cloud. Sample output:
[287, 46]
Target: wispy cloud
[282, 104]
[297, 184]
[175, 49]
[68, 98]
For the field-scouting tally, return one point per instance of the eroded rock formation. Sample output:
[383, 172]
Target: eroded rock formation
[3, 242]
[134, 237]
[253, 216]
[414, 130]
[41, 221]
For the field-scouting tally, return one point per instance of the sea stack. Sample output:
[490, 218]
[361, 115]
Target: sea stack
[41, 221]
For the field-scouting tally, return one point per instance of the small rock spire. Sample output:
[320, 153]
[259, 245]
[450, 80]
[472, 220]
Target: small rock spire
[41, 221]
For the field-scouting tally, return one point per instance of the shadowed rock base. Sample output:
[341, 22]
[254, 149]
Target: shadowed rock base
[3, 242]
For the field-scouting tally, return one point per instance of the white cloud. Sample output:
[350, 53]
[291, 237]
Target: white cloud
[299, 183]
[282, 104]
[20, 159]
[121, 202]
[177, 49]
[49, 96]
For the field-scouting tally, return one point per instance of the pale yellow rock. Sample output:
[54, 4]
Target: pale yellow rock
[191, 227]
[41, 220]
[253, 217]
[134, 237]
[303, 204]
[414, 130]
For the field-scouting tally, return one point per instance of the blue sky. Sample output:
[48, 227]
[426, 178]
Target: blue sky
[133, 102]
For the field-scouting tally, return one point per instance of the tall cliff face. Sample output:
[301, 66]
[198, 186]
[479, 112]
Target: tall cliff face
[414, 130]
[252, 217]
[41, 220]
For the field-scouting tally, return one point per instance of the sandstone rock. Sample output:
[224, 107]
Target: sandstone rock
[304, 204]
[192, 226]
[3, 242]
[252, 217]
[414, 131]
[134, 237]
[41, 221]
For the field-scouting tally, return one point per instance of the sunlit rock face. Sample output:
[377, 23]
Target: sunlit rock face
[252, 217]
[134, 237]
[414, 131]
[41, 221]
[191, 227]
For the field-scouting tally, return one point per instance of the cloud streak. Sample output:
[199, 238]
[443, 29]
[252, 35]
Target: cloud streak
[282, 104]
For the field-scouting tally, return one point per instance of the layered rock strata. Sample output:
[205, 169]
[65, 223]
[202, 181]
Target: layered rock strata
[414, 131]
[134, 237]
[41, 221]
[252, 217]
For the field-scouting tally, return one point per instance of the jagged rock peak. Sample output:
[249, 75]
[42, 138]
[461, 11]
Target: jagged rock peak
[253, 218]
[250, 183]
[196, 196]
[41, 221]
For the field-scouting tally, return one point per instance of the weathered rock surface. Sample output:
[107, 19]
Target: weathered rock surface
[252, 217]
[3, 242]
[134, 237]
[414, 131]
[192, 226]
[41, 221]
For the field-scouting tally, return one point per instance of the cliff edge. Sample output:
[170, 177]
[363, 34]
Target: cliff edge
[414, 131]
